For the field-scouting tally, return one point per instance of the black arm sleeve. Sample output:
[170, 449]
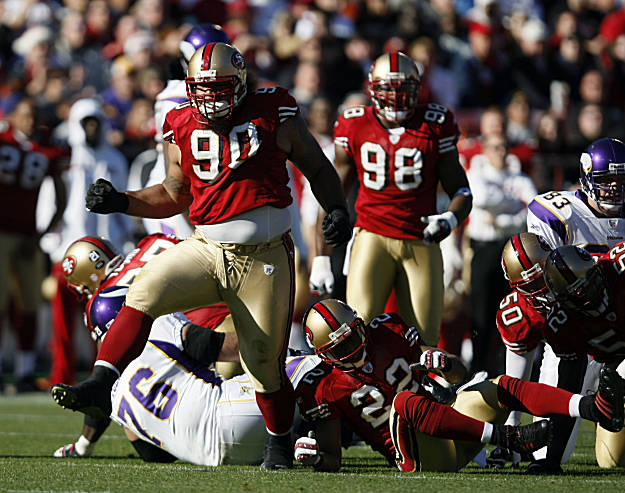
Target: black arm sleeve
[203, 344]
[151, 453]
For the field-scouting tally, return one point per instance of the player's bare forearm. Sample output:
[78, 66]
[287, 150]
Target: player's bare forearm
[326, 187]
[461, 206]
[455, 183]
[457, 371]
[156, 202]
[304, 151]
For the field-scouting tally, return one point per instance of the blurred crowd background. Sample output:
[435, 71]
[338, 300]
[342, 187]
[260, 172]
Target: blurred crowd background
[531, 83]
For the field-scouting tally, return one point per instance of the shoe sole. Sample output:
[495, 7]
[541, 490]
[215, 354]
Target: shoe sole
[67, 399]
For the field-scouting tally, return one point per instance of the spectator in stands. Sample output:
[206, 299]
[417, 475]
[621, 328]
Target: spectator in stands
[483, 76]
[501, 193]
[91, 157]
[518, 112]
[530, 70]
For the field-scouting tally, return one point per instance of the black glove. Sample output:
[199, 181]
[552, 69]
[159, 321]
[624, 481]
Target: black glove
[337, 229]
[102, 198]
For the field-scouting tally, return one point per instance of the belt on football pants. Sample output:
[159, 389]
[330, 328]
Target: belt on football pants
[240, 249]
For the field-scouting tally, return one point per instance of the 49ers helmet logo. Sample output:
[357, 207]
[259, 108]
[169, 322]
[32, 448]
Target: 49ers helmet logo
[68, 264]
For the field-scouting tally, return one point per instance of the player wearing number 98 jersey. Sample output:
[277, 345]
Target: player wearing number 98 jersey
[400, 152]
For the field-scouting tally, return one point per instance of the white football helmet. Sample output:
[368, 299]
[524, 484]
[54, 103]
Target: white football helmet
[336, 334]
[87, 262]
[576, 281]
[216, 81]
[394, 83]
[523, 260]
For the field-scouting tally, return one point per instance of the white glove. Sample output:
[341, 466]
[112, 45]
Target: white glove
[321, 279]
[438, 227]
[307, 450]
[432, 359]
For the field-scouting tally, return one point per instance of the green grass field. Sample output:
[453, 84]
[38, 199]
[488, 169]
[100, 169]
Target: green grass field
[32, 427]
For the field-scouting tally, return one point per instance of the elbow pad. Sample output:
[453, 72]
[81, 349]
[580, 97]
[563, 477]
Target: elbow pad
[202, 344]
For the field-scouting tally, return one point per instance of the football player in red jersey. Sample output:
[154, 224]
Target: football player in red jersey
[226, 151]
[588, 319]
[25, 163]
[371, 383]
[92, 265]
[400, 152]
[521, 314]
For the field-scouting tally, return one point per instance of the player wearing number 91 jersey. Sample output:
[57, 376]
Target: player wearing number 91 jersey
[400, 152]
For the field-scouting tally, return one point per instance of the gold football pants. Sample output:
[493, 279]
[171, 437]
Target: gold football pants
[444, 455]
[255, 281]
[379, 264]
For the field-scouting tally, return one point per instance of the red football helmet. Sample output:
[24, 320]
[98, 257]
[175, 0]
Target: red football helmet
[394, 83]
[336, 333]
[523, 260]
[216, 81]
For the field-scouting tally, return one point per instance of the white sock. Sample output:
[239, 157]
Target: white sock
[487, 433]
[574, 405]
[277, 434]
[84, 446]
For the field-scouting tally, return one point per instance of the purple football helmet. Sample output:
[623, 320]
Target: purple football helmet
[199, 36]
[602, 174]
[104, 308]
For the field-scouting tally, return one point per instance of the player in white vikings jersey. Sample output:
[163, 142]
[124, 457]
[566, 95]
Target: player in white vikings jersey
[593, 218]
[188, 409]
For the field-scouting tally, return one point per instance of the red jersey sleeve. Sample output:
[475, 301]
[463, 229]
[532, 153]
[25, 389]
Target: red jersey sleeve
[393, 323]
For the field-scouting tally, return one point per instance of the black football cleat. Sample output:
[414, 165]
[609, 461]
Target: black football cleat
[523, 439]
[89, 397]
[498, 458]
[278, 454]
[541, 467]
[609, 400]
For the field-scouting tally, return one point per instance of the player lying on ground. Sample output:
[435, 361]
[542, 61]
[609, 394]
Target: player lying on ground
[370, 383]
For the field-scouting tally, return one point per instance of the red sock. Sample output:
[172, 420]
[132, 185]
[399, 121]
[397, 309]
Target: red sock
[126, 338]
[436, 419]
[533, 398]
[278, 408]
